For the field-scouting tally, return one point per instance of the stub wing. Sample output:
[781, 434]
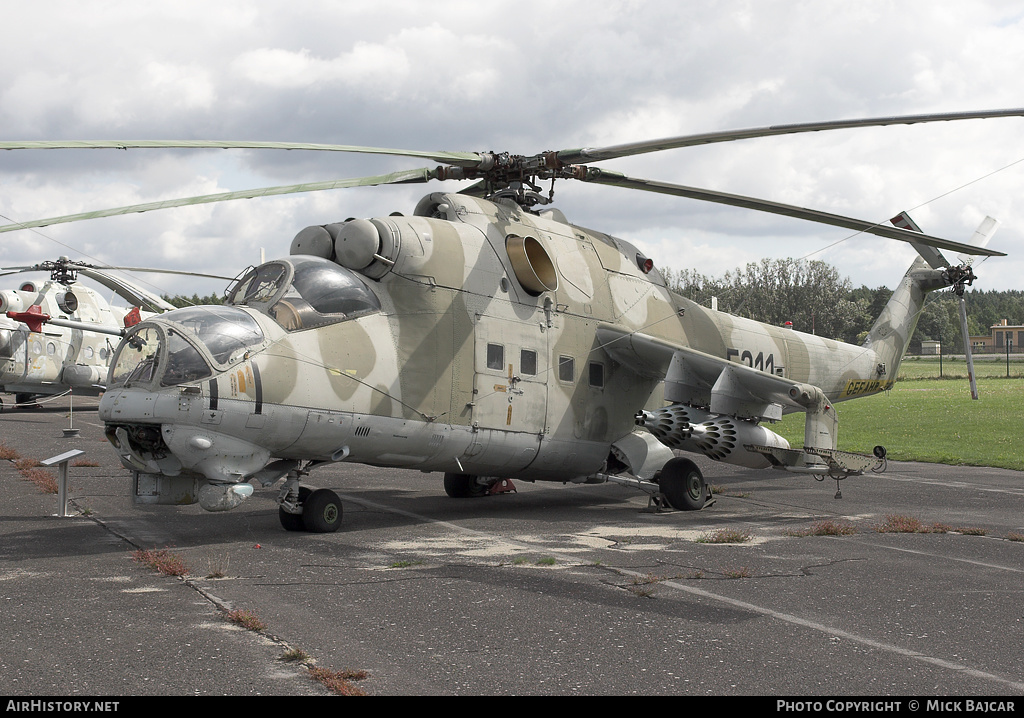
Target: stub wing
[737, 398]
[695, 377]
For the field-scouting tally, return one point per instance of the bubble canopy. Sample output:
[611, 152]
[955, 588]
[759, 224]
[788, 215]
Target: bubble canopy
[302, 292]
[167, 348]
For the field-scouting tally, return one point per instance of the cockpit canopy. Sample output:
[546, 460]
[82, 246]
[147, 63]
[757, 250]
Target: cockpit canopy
[166, 349]
[302, 292]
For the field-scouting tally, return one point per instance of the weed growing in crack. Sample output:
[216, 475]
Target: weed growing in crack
[824, 528]
[900, 523]
[162, 561]
[339, 682]
[725, 536]
[247, 620]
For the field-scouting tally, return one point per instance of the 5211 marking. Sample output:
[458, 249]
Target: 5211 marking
[761, 362]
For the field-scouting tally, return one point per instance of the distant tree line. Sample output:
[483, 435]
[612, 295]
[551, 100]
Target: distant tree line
[814, 296]
[180, 300]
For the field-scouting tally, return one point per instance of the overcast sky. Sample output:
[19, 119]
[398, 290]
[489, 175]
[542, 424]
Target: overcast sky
[522, 77]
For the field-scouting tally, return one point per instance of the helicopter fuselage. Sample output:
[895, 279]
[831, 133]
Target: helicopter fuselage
[55, 358]
[472, 338]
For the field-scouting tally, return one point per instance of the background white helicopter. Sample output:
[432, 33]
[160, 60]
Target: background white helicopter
[59, 334]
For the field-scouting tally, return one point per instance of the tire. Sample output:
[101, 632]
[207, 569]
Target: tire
[293, 522]
[321, 512]
[462, 486]
[682, 484]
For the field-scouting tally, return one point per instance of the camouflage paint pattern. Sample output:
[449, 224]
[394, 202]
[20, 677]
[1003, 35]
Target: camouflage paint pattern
[482, 360]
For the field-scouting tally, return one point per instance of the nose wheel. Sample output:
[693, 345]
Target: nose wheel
[317, 511]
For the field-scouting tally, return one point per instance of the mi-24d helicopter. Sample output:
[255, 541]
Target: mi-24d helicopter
[487, 338]
[58, 335]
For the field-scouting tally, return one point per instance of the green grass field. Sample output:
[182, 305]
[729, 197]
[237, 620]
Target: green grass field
[991, 365]
[934, 420]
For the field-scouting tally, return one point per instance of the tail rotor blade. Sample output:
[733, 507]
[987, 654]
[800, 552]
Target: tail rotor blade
[981, 238]
[967, 349]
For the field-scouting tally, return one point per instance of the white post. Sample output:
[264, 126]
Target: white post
[61, 460]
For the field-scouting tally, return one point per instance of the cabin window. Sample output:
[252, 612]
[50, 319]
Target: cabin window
[495, 356]
[528, 362]
[596, 375]
[566, 368]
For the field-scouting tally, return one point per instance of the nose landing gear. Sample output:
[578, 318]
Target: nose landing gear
[304, 509]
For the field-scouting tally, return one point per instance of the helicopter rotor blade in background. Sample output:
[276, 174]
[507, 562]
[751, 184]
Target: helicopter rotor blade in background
[136, 295]
[65, 271]
[597, 176]
[403, 177]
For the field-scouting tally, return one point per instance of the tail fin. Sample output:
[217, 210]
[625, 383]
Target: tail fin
[890, 335]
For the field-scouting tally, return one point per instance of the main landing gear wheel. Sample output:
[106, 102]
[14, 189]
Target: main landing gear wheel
[462, 486]
[321, 512]
[682, 484]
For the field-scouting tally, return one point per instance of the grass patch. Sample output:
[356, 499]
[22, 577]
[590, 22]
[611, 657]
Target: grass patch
[1015, 536]
[218, 569]
[7, 452]
[992, 367]
[932, 421]
[824, 528]
[339, 682]
[546, 561]
[43, 479]
[725, 536]
[903, 524]
[162, 561]
[247, 620]
[295, 655]
[971, 531]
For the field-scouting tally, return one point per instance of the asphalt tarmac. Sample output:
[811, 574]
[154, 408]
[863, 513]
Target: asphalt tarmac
[551, 590]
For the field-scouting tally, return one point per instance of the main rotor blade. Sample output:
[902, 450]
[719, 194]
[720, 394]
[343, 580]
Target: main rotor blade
[597, 176]
[79, 266]
[459, 159]
[404, 177]
[136, 295]
[158, 271]
[591, 154]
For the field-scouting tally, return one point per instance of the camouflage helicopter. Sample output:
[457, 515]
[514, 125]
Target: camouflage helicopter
[59, 335]
[487, 338]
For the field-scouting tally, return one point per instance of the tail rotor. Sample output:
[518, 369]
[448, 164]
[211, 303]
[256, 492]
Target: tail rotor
[958, 278]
